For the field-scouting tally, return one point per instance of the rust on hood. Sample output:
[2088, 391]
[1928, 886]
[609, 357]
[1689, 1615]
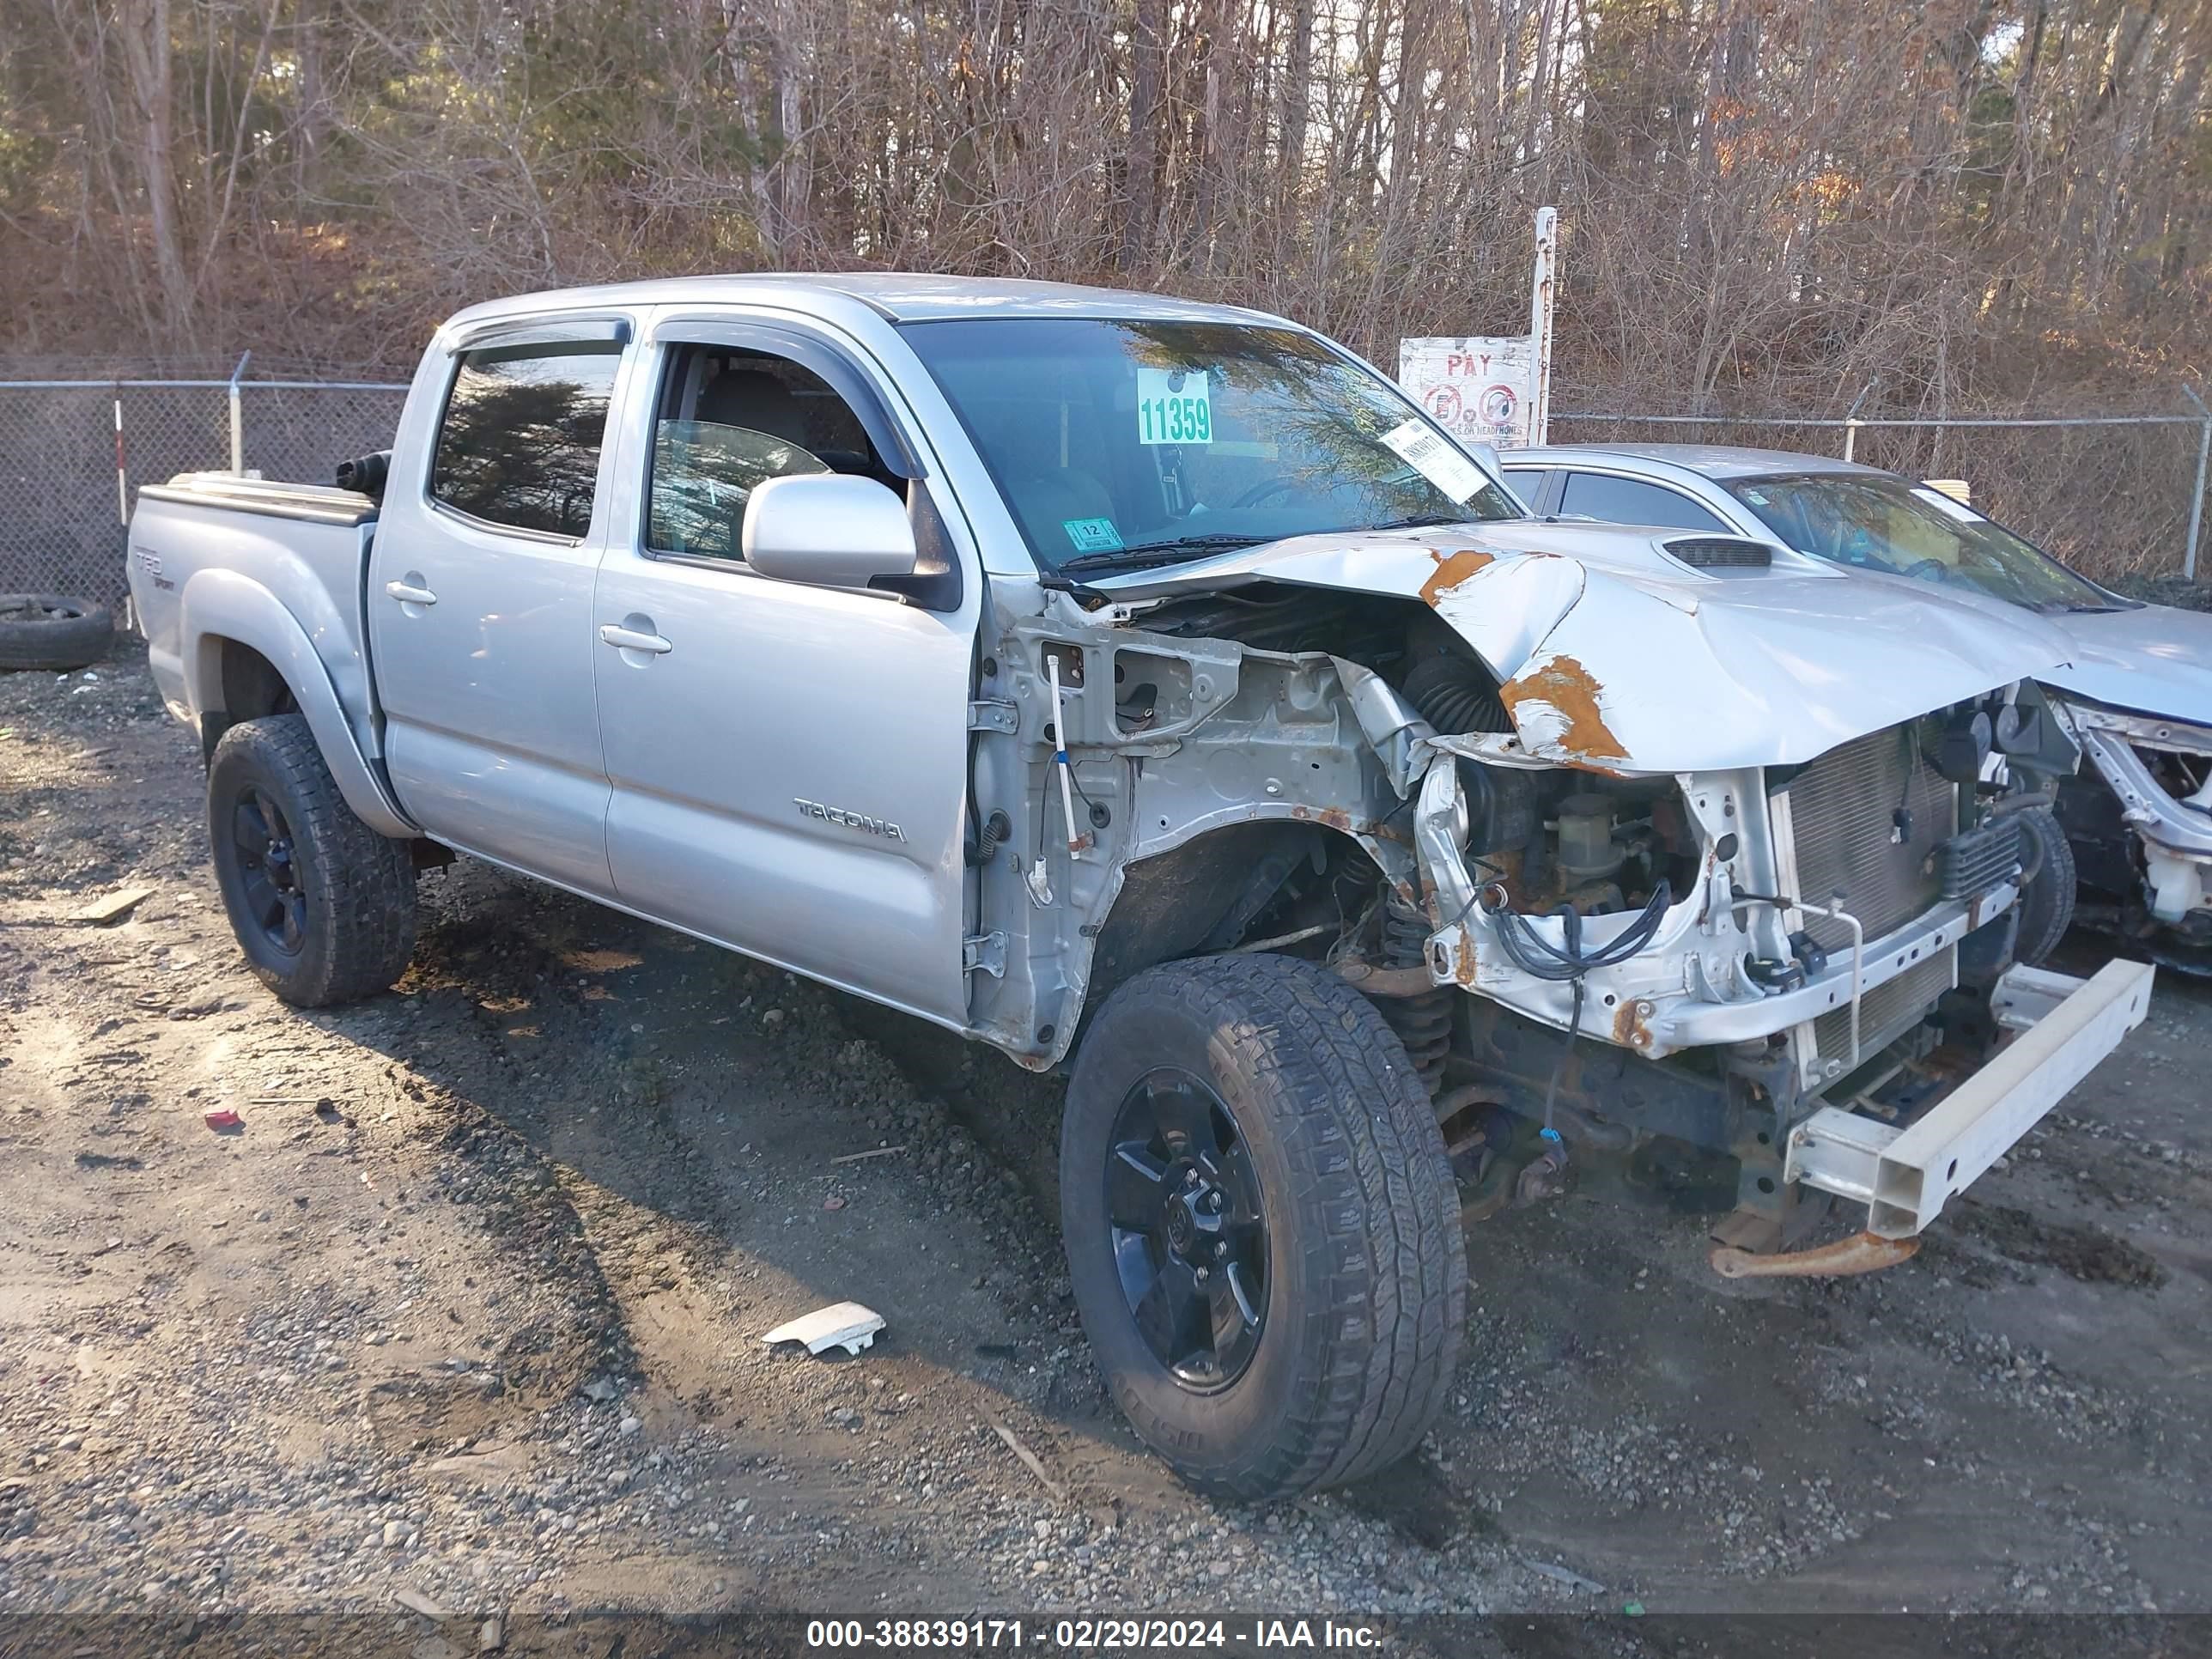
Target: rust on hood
[1572, 692]
[1452, 569]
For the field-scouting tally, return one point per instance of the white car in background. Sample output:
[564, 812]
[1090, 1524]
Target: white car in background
[2138, 819]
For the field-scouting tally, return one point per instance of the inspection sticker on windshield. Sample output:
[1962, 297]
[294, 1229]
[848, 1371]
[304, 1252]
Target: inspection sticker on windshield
[1435, 460]
[1172, 407]
[1093, 535]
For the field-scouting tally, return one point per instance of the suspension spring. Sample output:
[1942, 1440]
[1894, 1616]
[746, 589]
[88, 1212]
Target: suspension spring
[1423, 1023]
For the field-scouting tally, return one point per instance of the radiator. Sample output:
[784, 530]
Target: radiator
[1842, 811]
[1843, 833]
[1887, 1012]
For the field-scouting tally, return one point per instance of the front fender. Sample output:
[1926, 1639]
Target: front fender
[222, 604]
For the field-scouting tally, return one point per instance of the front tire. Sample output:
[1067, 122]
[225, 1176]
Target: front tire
[1262, 1225]
[322, 906]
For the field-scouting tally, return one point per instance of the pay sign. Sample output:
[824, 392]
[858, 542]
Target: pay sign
[1475, 386]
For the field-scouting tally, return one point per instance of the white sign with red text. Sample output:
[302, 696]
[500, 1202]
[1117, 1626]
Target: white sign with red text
[1475, 386]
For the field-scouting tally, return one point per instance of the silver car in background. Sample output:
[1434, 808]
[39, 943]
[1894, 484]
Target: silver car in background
[2138, 687]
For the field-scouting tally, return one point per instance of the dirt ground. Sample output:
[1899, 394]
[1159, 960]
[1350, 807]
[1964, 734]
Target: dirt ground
[469, 1305]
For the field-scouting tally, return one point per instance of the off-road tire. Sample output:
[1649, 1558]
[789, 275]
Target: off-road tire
[1366, 1281]
[2046, 902]
[357, 887]
[40, 630]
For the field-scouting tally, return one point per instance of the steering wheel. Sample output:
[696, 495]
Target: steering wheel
[1260, 492]
[1933, 569]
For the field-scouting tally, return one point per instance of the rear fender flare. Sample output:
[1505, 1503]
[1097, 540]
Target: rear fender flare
[221, 605]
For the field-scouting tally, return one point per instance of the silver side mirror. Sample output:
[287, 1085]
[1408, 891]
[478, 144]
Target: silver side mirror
[828, 528]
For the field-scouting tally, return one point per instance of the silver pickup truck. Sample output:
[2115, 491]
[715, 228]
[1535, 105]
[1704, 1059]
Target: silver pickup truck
[1148, 688]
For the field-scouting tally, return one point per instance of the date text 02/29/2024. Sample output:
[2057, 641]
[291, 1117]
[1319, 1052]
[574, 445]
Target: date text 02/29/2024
[1096, 1634]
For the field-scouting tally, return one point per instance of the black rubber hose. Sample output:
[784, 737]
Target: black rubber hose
[991, 837]
[1455, 694]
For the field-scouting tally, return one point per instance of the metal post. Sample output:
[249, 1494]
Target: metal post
[1851, 423]
[2196, 501]
[121, 488]
[238, 419]
[1541, 292]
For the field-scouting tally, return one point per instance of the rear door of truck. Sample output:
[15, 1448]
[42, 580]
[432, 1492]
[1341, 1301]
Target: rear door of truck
[479, 596]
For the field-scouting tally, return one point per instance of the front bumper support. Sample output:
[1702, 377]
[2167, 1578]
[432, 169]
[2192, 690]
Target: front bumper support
[1905, 1174]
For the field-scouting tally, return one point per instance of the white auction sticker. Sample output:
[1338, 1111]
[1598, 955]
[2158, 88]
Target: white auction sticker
[1946, 505]
[1172, 407]
[1436, 459]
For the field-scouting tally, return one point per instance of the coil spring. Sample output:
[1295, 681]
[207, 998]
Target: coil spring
[1423, 1023]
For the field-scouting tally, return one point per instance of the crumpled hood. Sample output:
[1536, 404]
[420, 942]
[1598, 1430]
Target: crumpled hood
[1610, 655]
[2154, 659]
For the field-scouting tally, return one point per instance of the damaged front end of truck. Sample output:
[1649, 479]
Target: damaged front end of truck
[1640, 843]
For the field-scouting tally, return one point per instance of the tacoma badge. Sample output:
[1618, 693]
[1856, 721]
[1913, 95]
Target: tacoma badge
[815, 809]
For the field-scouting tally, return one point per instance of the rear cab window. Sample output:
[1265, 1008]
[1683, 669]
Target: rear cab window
[520, 438]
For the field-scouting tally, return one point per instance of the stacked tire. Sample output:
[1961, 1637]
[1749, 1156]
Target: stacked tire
[42, 630]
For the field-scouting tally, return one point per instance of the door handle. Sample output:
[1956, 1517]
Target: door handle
[410, 593]
[630, 639]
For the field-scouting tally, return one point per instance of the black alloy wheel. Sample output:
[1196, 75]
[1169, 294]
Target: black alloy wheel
[270, 875]
[1261, 1226]
[1189, 1228]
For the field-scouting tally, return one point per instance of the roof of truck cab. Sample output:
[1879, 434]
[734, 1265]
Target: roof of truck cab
[899, 296]
[1712, 461]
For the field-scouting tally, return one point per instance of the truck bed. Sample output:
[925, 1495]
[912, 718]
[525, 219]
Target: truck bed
[277, 565]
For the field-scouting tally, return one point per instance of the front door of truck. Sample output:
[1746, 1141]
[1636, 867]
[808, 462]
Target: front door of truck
[479, 603]
[788, 762]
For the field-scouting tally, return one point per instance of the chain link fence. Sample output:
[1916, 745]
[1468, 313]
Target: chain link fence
[74, 452]
[2117, 495]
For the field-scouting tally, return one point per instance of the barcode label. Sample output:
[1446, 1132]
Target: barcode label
[1434, 458]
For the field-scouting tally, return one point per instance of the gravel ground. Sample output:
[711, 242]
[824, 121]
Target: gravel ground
[468, 1306]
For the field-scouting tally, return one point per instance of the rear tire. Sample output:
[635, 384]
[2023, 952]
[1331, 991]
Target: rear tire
[2046, 902]
[1306, 1203]
[322, 906]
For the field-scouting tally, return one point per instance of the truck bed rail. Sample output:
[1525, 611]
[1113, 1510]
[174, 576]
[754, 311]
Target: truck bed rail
[317, 503]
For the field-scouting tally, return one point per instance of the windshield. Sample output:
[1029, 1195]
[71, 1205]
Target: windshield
[1126, 444]
[1880, 523]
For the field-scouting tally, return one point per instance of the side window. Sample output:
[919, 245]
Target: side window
[1630, 500]
[519, 442]
[728, 420]
[1527, 484]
